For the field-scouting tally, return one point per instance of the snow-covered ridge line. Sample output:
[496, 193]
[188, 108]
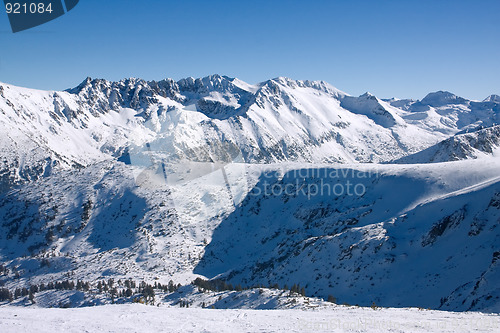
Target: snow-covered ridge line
[166, 179]
[274, 121]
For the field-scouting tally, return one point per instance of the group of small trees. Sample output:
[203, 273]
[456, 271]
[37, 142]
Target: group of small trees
[185, 304]
[213, 285]
[122, 289]
[35, 288]
[148, 292]
[129, 288]
[221, 285]
[297, 289]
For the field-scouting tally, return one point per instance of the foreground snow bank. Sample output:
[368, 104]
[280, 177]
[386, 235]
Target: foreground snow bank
[141, 318]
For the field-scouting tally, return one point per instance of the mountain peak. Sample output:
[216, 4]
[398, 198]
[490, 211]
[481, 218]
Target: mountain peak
[440, 98]
[88, 83]
[492, 98]
[318, 85]
[368, 95]
[214, 82]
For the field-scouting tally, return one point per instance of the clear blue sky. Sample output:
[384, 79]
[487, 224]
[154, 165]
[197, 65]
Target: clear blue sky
[397, 48]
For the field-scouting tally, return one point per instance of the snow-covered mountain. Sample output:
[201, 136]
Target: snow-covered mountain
[447, 113]
[203, 119]
[492, 98]
[215, 178]
[470, 145]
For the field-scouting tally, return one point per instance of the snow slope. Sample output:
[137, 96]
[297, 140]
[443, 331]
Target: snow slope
[141, 318]
[470, 145]
[413, 236]
[340, 242]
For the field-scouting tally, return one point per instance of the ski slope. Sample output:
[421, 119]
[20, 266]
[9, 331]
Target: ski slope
[141, 318]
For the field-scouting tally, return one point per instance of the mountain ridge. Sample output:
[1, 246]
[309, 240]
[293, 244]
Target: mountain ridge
[269, 122]
[216, 178]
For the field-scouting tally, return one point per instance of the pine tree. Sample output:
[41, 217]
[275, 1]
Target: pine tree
[5, 295]
[149, 293]
[171, 287]
[79, 285]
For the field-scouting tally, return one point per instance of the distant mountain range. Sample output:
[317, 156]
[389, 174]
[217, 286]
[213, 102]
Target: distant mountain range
[274, 121]
[156, 180]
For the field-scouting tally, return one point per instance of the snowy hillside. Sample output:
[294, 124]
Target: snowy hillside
[278, 183]
[406, 221]
[471, 145]
[408, 232]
